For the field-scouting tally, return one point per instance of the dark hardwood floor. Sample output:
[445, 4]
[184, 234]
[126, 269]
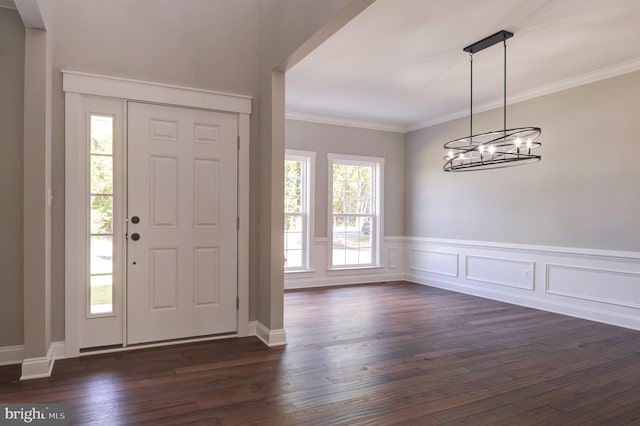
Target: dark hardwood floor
[394, 353]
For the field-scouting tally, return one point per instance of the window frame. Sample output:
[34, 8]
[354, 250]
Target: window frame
[376, 229]
[308, 159]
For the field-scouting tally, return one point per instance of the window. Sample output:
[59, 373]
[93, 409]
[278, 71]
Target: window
[298, 184]
[354, 210]
[101, 208]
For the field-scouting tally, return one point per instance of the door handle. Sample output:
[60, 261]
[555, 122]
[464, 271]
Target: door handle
[135, 236]
[135, 219]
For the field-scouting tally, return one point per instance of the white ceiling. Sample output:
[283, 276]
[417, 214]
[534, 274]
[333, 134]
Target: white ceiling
[400, 63]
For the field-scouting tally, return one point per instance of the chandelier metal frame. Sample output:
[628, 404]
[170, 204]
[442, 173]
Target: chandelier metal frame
[498, 148]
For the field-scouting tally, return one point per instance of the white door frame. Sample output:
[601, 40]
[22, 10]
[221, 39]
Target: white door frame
[75, 85]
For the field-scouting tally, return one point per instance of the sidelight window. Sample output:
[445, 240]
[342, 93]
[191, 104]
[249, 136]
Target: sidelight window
[101, 270]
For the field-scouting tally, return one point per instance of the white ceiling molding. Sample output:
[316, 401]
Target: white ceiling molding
[558, 86]
[30, 13]
[7, 4]
[145, 91]
[338, 121]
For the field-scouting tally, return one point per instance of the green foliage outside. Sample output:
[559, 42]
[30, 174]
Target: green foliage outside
[351, 191]
[292, 193]
[101, 183]
[101, 295]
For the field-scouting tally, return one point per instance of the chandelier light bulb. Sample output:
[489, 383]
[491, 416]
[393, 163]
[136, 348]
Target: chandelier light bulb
[451, 155]
[492, 149]
[518, 142]
[529, 143]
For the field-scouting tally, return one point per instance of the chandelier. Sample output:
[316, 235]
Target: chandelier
[497, 148]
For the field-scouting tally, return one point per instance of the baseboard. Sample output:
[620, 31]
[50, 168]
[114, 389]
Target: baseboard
[11, 355]
[294, 284]
[37, 368]
[58, 349]
[252, 328]
[271, 338]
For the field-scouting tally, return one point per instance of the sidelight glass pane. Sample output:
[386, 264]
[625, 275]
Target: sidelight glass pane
[101, 174]
[101, 255]
[101, 214]
[101, 134]
[101, 299]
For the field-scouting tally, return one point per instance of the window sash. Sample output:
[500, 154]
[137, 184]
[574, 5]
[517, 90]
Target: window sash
[354, 244]
[289, 238]
[297, 246]
[345, 248]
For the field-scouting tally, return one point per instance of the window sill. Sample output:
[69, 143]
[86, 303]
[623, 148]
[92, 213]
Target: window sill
[353, 270]
[299, 271]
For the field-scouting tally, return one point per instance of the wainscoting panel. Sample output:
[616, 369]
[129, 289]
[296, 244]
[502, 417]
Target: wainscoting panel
[495, 270]
[598, 285]
[433, 262]
[391, 268]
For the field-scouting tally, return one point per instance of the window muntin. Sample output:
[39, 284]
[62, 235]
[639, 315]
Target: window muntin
[354, 211]
[101, 141]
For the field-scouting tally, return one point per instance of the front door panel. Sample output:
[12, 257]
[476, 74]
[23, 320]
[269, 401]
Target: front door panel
[182, 234]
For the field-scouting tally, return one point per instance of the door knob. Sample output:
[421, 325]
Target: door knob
[135, 219]
[135, 236]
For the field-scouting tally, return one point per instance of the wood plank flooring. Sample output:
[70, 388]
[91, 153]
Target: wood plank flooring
[392, 353]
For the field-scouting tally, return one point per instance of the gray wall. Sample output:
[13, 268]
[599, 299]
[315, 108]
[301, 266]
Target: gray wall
[11, 135]
[324, 139]
[211, 44]
[584, 193]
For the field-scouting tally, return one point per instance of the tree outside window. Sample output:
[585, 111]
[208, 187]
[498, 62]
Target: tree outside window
[354, 211]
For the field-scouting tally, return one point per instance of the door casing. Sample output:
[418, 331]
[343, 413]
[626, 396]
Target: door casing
[78, 86]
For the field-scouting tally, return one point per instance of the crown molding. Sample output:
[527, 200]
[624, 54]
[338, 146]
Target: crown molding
[337, 121]
[547, 89]
[8, 4]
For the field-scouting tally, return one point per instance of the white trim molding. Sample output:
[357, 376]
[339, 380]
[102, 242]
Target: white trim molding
[37, 368]
[269, 337]
[8, 4]
[599, 285]
[137, 90]
[11, 355]
[341, 121]
[547, 89]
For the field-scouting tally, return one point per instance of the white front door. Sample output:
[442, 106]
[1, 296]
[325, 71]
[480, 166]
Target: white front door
[182, 213]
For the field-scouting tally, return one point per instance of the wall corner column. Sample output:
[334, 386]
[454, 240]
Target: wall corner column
[38, 355]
